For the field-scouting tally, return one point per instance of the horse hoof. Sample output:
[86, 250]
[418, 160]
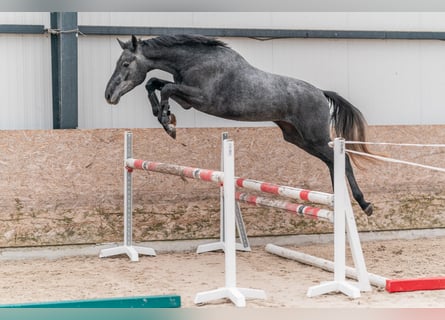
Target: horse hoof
[172, 126]
[369, 210]
[172, 133]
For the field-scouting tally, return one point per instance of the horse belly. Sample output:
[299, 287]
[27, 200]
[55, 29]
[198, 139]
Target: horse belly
[243, 111]
[246, 103]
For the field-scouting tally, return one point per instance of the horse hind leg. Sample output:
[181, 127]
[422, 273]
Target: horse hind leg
[325, 154]
[367, 207]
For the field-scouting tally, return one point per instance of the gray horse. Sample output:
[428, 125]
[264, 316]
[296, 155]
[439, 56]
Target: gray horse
[213, 78]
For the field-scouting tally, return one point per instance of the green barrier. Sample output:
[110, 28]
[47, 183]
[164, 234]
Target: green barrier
[165, 301]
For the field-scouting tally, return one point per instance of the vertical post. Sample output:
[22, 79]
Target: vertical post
[128, 190]
[213, 246]
[229, 219]
[224, 136]
[339, 209]
[340, 197]
[244, 245]
[64, 69]
[236, 295]
[128, 248]
[356, 250]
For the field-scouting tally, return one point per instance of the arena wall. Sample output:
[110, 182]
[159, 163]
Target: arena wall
[66, 186]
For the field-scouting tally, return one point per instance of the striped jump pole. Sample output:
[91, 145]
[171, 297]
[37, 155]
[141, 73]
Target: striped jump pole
[299, 209]
[176, 170]
[288, 192]
[218, 176]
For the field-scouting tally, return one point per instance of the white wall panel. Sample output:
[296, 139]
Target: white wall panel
[391, 81]
[232, 19]
[25, 83]
[310, 20]
[390, 21]
[384, 79]
[432, 82]
[25, 18]
[431, 21]
[26, 78]
[153, 19]
[321, 63]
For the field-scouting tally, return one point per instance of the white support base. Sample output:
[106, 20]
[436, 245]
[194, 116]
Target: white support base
[207, 247]
[237, 295]
[214, 246]
[334, 286]
[131, 251]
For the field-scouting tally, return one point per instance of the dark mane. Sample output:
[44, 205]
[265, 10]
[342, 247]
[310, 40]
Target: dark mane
[182, 39]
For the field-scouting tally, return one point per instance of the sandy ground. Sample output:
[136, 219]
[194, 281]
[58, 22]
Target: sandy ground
[186, 274]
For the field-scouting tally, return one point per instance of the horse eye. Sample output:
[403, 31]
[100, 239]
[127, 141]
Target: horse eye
[126, 64]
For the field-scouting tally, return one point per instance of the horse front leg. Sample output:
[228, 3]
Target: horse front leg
[162, 112]
[151, 86]
[167, 119]
[186, 96]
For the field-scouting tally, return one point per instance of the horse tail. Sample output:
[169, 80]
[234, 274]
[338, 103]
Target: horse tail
[349, 123]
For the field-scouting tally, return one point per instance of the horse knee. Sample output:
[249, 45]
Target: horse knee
[153, 84]
[149, 85]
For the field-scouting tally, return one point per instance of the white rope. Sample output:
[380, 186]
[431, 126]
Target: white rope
[396, 161]
[397, 144]
[59, 31]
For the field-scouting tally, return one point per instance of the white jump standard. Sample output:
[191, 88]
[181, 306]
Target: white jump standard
[128, 248]
[236, 295]
[243, 245]
[343, 215]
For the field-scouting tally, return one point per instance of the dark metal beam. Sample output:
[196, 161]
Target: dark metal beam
[22, 28]
[236, 32]
[64, 69]
[264, 33]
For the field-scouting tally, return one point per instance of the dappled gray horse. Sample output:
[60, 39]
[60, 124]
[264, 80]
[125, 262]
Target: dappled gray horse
[213, 78]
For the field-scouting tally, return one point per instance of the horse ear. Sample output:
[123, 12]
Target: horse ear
[134, 42]
[122, 44]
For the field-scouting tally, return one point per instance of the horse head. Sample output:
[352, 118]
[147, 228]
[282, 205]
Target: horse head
[130, 71]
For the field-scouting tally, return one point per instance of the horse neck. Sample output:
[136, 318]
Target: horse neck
[173, 60]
